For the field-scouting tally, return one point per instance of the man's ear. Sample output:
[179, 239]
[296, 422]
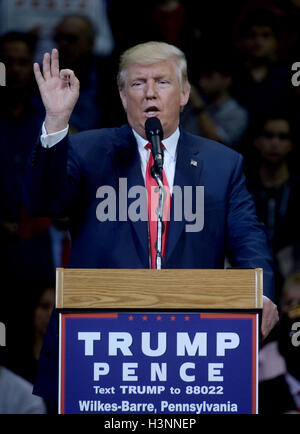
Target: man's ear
[184, 96]
[123, 98]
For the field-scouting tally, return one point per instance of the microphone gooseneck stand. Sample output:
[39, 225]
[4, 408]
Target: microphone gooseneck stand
[154, 134]
[159, 211]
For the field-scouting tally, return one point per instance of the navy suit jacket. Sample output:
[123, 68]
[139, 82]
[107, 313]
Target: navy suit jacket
[64, 180]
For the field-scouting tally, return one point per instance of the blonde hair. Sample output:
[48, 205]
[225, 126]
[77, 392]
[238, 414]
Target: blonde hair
[152, 52]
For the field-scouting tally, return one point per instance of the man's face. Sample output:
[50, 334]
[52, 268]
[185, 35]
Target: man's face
[275, 142]
[214, 83]
[72, 38]
[153, 90]
[43, 311]
[261, 42]
[18, 61]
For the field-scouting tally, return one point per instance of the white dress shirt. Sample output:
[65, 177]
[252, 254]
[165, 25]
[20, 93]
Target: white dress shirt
[170, 144]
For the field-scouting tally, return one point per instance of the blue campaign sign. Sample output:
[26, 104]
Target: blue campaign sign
[159, 363]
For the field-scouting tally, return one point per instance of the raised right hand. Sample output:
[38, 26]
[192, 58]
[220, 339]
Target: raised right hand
[59, 91]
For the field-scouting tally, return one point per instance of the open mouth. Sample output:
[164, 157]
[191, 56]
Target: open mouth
[151, 111]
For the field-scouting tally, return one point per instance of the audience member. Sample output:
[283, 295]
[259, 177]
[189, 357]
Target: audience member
[212, 112]
[275, 188]
[24, 356]
[41, 16]
[21, 115]
[23, 353]
[176, 22]
[290, 18]
[261, 83]
[31, 264]
[16, 395]
[289, 336]
[279, 360]
[74, 36]
[43, 253]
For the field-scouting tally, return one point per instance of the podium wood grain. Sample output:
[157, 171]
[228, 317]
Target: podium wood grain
[161, 289]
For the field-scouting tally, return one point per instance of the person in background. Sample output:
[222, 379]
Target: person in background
[16, 395]
[279, 360]
[74, 36]
[21, 114]
[31, 265]
[212, 112]
[275, 188]
[261, 83]
[175, 22]
[22, 356]
[41, 16]
[42, 252]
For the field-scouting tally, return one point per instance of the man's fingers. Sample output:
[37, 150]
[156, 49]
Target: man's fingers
[69, 76]
[74, 82]
[269, 317]
[37, 73]
[46, 66]
[54, 63]
[65, 74]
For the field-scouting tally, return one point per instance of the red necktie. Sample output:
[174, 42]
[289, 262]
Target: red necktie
[153, 196]
[66, 250]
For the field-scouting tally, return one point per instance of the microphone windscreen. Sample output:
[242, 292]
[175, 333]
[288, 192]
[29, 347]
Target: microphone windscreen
[153, 127]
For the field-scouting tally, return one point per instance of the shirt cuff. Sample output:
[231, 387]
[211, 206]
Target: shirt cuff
[49, 140]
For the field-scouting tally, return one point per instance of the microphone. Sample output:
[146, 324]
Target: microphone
[154, 134]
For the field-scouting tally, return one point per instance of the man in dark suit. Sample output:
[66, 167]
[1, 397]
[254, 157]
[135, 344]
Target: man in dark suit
[68, 175]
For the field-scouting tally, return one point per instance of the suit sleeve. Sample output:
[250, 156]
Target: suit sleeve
[52, 180]
[247, 242]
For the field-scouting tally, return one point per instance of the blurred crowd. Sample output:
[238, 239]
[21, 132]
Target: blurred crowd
[240, 57]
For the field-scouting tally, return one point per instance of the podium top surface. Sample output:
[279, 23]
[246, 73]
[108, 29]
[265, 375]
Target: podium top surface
[159, 289]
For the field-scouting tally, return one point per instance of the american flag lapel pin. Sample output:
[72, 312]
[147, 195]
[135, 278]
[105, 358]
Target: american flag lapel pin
[194, 163]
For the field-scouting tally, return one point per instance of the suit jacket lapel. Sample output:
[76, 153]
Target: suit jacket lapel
[126, 161]
[187, 173]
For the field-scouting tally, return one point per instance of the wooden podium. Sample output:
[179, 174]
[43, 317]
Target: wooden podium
[158, 341]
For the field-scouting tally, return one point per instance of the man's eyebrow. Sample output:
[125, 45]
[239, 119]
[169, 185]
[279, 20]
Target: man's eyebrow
[162, 76]
[138, 77]
[156, 77]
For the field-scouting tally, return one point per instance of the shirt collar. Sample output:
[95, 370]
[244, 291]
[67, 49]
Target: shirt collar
[170, 143]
